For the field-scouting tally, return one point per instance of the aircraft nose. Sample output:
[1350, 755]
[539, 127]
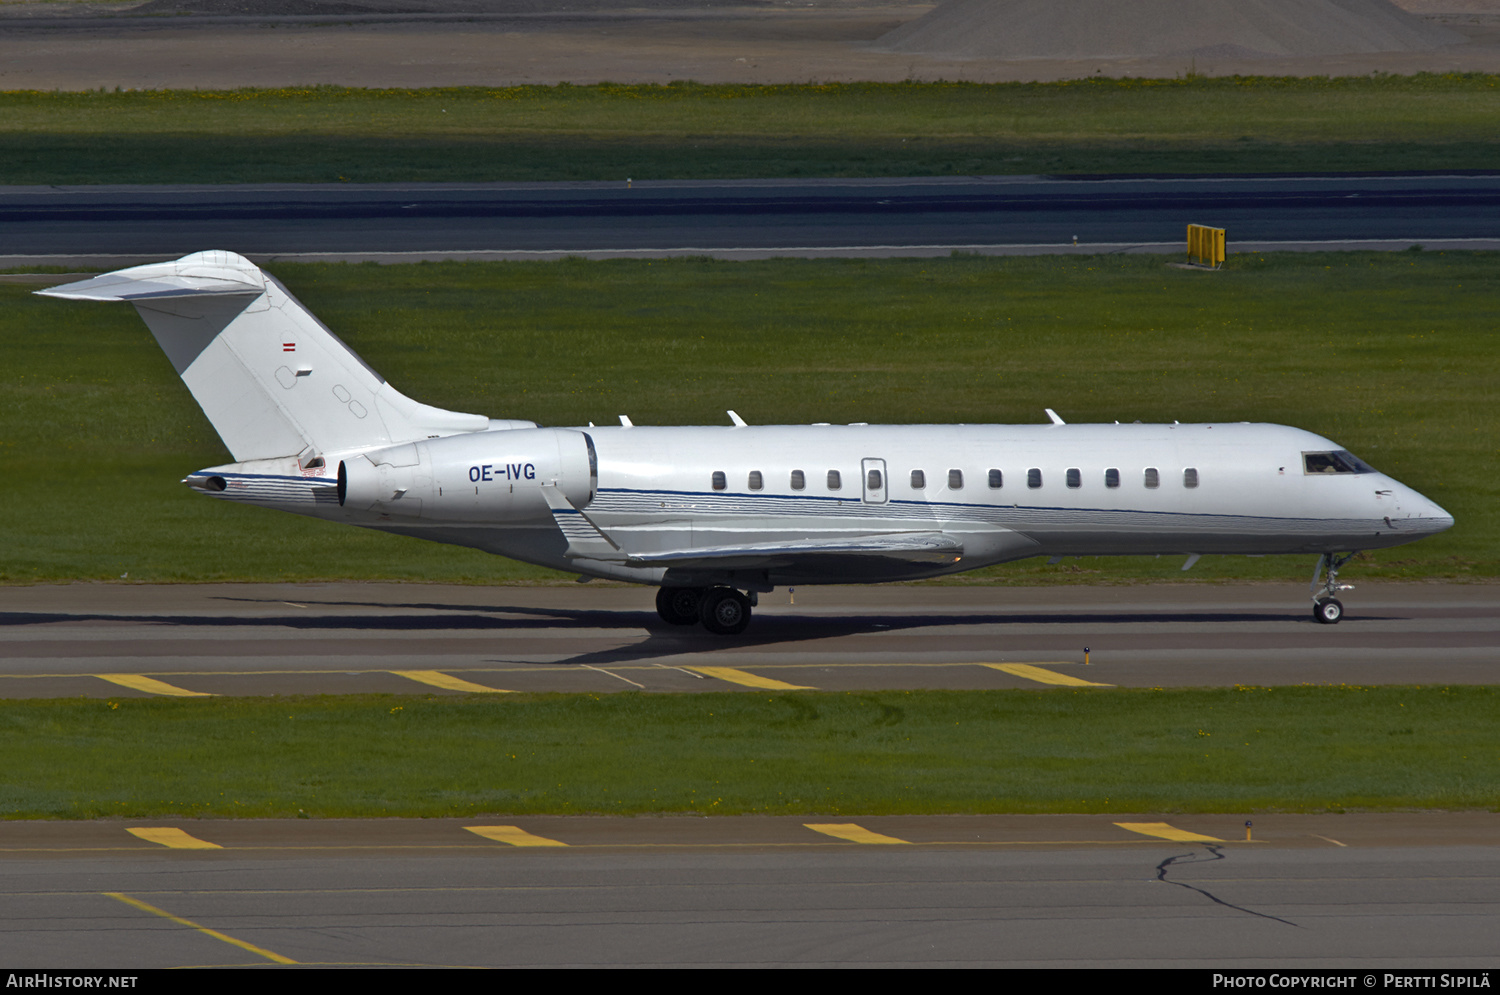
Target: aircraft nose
[1426, 515]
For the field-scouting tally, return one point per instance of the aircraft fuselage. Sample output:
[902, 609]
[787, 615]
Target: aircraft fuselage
[1005, 492]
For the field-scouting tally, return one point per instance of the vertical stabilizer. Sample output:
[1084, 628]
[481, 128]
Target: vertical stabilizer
[270, 377]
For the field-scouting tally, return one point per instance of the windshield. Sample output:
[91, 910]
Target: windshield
[1341, 461]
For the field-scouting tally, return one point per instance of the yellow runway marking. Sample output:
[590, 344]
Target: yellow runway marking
[252, 948]
[1034, 673]
[849, 831]
[1167, 832]
[447, 682]
[151, 685]
[172, 837]
[749, 680]
[514, 835]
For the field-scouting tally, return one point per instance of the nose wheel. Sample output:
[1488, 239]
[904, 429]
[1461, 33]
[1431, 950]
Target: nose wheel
[1327, 609]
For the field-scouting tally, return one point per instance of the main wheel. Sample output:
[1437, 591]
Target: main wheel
[724, 611]
[1328, 610]
[678, 605]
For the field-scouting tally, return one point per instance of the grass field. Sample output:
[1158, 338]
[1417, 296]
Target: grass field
[1392, 355]
[609, 132]
[1194, 750]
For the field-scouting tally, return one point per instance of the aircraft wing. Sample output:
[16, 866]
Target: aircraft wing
[909, 547]
[587, 541]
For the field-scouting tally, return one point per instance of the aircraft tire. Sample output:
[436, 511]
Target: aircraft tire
[724, 611]
[679, 605]
[1328, 610]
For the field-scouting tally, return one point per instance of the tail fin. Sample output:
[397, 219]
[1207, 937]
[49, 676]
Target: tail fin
[269, 376]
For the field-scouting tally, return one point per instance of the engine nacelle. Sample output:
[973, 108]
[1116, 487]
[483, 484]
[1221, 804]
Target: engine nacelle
[483, 477]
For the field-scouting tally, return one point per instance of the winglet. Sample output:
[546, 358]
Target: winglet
[738, 421]
[1053, 415]
[585, 540]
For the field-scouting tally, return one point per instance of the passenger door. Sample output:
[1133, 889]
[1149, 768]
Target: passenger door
[873, 477]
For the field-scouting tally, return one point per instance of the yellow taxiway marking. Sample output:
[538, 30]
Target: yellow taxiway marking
[252, 948]
[749, 680]
[849, 831]
[1167, 832]
[172, 837]
[514, 835]
[1043, 676]
[447, 682]
[151, 685]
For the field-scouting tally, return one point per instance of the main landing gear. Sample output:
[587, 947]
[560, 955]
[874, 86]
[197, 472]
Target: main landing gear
[1328, 609]
[722, 610]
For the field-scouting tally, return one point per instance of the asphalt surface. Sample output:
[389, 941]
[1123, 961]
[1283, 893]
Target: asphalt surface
[1352, 891]
[1373, 892]
[118, 640]
[749, 218]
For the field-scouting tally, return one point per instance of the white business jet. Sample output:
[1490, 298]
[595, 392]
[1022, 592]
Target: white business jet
[715, 516]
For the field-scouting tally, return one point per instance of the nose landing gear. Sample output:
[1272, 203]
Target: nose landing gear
[1328, 609]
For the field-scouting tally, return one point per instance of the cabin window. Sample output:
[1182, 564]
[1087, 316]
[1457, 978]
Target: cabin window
[874, 481]
[1337, 462]
[955, 480]
[1112, 477]
[1075, 477]
[996, 479]
[835, 481]
[719, 482]
[1153, 479]
[1033, 478]
[756, 481]
[918, 480]
[799, 480]
[1190, 477]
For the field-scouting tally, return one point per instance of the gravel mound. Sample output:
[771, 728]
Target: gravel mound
[1116, 29]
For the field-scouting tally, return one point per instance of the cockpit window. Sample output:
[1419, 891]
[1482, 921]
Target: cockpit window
[1342, 461]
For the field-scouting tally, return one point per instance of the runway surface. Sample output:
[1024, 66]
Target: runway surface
[120, 640]
[1355, 891]
[748, 218]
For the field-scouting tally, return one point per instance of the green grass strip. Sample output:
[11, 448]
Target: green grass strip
[1389, 354]
[694, 131]
[1200, 750]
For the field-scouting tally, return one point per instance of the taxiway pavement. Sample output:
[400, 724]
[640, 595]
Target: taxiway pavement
[110, 640]
[1353, 891]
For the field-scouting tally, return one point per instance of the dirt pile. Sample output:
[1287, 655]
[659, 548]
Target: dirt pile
[1123, 29]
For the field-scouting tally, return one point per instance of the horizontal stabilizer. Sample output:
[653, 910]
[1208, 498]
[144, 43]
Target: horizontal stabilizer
[210, 273]
[909, 547]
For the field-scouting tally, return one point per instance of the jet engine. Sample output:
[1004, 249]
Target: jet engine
[483, 477]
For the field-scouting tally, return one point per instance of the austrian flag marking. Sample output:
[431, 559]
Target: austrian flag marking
[288, 347]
